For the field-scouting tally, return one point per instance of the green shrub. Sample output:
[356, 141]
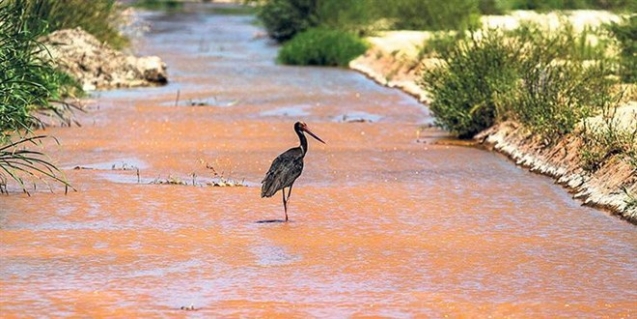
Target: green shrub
[556, 89]
[27, 81]
[283, 19]
[97, 17]
[546, 5]
[491, 7]
[600, 143]
[432, 15]
[440, 44]
[555, 96]
[322, 47]
[28, 84]
[539, 79]
[564, 42]
[158, 4]
[626, 34]
[357, 16]
[474, 86]
[606, 135]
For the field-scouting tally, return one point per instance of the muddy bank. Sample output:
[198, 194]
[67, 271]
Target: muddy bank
[393, 61]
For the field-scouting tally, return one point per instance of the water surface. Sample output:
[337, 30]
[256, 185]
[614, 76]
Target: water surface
[384, 222]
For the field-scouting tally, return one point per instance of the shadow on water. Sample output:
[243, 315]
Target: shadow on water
[268, 221]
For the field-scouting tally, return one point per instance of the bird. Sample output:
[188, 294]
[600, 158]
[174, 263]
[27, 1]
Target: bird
[287, 167]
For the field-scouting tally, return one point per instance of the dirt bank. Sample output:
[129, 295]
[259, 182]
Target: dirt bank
[393, 61]
[96, 65]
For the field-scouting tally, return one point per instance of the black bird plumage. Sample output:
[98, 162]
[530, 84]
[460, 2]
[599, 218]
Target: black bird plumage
[287, 167]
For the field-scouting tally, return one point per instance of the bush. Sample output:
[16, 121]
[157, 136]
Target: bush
[97, 17]
[440, 44]
[603, 141]
[357, 16]
[322, 47]
[474, 86]
[433, 15]
[546, 5]
[283, 19]
[28, 84]
[558, 88]
[159, 4]
[564, 42]
[536, 78]
[626, 35]
[555, 97]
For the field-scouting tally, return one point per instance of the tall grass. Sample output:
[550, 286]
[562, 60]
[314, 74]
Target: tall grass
[17, 161]
[97, 17]
[626, 34]
[537, 78]
[28, 84]
[500, 6]
[322, 47]
[431, 15]
[476, 84]
[283, 19]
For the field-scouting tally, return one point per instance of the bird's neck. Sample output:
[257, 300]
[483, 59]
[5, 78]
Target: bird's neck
[303, 141]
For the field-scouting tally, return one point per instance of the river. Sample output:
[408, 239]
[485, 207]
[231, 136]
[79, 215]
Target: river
[384, 221]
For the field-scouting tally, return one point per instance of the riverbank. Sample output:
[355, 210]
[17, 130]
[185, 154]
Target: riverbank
[393, 60]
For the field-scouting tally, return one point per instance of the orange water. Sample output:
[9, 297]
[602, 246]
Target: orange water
[384, 222]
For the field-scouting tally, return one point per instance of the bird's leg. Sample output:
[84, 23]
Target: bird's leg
[285, 204]
[290, 192]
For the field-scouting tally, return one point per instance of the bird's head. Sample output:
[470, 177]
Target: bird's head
[302, 127]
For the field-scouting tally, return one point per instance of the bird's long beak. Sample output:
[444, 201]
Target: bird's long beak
[314, 136]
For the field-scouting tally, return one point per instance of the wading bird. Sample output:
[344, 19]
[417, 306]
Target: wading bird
[287, 167]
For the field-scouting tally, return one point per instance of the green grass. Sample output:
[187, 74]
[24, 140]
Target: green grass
[97, 17]
[605, 138]
[322, 47]
[502, 6]
[626, 34]
[158, 4]
[283, 19]
[537, 78]
[18, 162]
[29, 84]
[475, 86]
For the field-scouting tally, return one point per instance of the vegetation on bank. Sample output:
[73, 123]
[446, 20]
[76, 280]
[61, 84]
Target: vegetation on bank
[31, 85]
[349, 20]
[97, 18]
[626, 34]
[158, 4]
[550, 82]
[285, 19]
[503, 6]
[322, 47]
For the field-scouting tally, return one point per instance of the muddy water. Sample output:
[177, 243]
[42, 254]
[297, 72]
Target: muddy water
[384, 222]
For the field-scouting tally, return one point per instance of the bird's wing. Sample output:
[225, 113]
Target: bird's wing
[285, 169]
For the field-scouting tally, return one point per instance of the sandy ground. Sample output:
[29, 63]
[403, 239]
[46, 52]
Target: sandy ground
[393, 61]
